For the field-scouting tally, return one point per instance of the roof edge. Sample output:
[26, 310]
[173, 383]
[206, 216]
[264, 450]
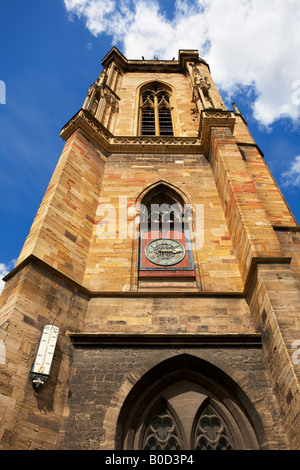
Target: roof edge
[184, 56]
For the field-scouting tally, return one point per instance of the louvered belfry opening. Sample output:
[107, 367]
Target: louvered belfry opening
[164, 114]
[156, 115]
[148, 115]
[165, 122]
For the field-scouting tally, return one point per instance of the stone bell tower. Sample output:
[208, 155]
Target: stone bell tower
[156, 301]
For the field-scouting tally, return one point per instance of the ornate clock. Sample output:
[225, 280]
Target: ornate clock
[165, 252]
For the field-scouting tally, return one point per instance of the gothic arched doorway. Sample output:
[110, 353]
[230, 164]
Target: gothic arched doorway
[186, 403]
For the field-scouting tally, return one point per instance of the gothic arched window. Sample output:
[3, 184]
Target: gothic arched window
[165, 246]
[162, 432]
[155, 111]
[161, 208]
[179, 405]
[211, 432]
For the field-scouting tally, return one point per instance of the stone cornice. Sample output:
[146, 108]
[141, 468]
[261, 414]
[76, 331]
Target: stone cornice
[85, 121]
[155, 65]
[214, 118]
[166, 340]
[32, 259]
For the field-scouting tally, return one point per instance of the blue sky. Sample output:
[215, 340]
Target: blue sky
[51, 52]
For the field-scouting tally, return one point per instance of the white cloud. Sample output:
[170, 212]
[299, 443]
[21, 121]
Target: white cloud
[95, 13]
[5, 269]
[291, 178]
[247, 43]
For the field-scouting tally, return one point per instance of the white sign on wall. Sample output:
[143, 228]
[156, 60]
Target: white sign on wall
[2, 352]
[45, 354]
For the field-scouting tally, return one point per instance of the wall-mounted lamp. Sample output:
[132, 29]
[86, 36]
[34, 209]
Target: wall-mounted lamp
[41, 368]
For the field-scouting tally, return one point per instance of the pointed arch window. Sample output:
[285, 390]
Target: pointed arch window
[165, 245]
[155, 111]
[162, 432]
[186, 403]
[162, 208]
[211, 432]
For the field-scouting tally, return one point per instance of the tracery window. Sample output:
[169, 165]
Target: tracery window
[163, 208]
[156, 111]
[211, 432]
[162, 432]
[179, 405]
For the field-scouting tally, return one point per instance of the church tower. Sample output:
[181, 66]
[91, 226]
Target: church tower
[156, 301]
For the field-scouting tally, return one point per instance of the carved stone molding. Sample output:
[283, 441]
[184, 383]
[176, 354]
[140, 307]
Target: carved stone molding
[85, 121]
[217, 113]
[201, 89]
[111, 98]
[155, 140]
[214, 118]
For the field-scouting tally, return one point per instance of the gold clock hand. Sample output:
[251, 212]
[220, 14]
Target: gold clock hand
[170, 251]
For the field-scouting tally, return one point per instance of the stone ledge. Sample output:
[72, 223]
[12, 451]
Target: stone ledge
[32, 259]
[85, 121]
[209, 118]
[214, 118]
[166, 340]
[155, 65]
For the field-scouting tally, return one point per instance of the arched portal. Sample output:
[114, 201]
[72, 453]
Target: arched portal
[188, 403]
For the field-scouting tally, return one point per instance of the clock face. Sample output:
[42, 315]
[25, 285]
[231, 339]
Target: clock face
[165, 252]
